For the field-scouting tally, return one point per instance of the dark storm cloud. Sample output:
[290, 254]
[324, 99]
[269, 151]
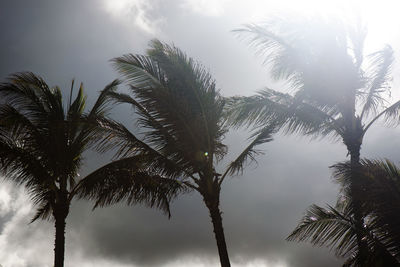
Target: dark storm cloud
[61, 40]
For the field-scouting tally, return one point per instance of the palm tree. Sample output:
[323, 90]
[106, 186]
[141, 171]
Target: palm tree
[337, 90]
[180, 114]
[335, 227]
[42, 144]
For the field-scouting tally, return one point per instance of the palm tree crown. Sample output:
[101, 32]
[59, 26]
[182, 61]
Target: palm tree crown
[42, 141]
[42, 144]
[337, 90]
[180, 115]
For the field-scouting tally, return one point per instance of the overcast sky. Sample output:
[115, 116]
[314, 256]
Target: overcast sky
[62, 40]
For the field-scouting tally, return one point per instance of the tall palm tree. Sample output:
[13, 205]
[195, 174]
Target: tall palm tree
[338, 91]
[335, 227]
[180, 114]
[42, 142]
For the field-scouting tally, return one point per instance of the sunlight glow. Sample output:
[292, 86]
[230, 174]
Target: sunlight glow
[380, 17]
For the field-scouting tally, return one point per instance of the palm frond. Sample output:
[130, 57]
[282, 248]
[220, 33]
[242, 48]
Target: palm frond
[89, 130]
[261, 108]
[139, 71]
[127, 180]
[390, 116]
[45, 209]
[78, 105]
[101, 107]
[261, 136]
[291, 114]
[327, 227]
[127, 144]
[278, 54]
[20, 165]
[379, 74]
[15, 124]
[147, 121]
[357, 35]
[176, 99]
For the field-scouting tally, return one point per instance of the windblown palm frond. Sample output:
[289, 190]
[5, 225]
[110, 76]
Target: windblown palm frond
[44, 211]
[266, 106]
[275, 49]
[128, 144]
[285, 111]
[327, 227]
[127, 180]
[379, 73]
[378, 184]
[261, 136]
[335, 228]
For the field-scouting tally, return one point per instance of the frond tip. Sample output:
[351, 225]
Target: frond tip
[260, 137]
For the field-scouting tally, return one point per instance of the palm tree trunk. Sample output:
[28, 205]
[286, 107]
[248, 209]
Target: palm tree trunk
[355, 190]
[210, 192]
[216, 219]
[60, 216]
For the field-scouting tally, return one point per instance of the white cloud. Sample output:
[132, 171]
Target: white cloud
[205, 261]
[206, 7]
[5, 198]
[21, 244]
[135, 12]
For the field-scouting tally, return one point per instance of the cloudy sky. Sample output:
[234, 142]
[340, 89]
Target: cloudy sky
[62, 40]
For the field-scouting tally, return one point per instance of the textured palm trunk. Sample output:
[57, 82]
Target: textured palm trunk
[60, 216]
[216, 219]
[59, 245]
[210, 193]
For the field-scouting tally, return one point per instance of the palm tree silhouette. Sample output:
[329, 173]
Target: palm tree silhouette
[180, 114]
[337, 90]
[335, 227]
[42, 144]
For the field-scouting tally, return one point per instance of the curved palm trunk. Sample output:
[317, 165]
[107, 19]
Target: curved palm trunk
[216, 219]
[212, 202]
[60, 215]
